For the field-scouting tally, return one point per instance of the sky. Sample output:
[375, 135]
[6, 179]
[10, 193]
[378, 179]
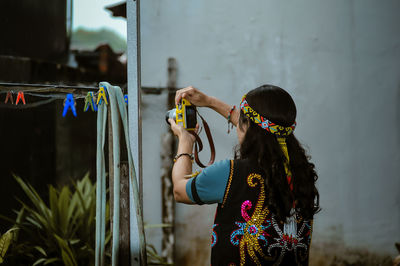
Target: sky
[92, 15]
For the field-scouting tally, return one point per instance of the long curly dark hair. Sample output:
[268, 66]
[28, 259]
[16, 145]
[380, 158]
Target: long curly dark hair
[260, 146]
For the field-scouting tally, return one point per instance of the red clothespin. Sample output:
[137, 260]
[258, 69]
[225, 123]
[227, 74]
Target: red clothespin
[9, 97]
[20, 96]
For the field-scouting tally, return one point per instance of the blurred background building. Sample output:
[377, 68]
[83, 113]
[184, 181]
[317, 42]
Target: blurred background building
[39, 45]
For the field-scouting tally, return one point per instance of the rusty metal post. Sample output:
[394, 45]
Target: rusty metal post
[167, 153]
[124, 256]
[124, 232]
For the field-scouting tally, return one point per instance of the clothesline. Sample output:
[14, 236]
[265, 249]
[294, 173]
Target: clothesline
[69, 93]
[32, 87]
[41, 86]
[44, 90]
[28, 105]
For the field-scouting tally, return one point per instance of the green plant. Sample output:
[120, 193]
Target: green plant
[58, 233]
[5, 241]
[152, 256]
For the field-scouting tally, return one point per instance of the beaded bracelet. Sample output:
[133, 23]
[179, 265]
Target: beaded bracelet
[229, 118]
[184, 154]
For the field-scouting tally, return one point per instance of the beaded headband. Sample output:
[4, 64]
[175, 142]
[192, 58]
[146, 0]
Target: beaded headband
[263, 122]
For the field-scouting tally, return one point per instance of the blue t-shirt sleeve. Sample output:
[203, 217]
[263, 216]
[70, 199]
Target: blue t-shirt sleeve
[211, 183]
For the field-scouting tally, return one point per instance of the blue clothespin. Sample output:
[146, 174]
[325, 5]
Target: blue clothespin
[90, 102]
[69, 103]
[126, 98]
[102, 96]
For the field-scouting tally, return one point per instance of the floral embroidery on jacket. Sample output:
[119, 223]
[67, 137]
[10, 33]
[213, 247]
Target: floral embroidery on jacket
[214, 237]
[249, 233]
[291, 242]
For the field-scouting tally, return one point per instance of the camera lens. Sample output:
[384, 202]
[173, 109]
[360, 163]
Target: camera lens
[170, 114]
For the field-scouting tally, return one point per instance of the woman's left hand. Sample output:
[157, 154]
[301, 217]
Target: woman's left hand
[181, 132]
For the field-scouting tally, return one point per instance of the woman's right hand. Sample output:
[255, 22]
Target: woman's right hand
[194, 96]
[200, 99]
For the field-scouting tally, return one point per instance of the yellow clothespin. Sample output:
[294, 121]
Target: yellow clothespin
[102, 96]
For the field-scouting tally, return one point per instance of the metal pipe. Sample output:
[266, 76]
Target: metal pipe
[138, 248]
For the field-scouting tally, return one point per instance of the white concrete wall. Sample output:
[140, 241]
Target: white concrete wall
[340, 60]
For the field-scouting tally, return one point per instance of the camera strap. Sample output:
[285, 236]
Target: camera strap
[198, 147]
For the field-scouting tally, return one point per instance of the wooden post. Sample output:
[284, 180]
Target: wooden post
[167, 154]
[124, 233]
[124, 256]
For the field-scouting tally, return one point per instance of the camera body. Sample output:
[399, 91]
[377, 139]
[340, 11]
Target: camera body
[184, 114]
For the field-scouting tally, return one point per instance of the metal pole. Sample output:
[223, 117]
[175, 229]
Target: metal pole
[134, 84]
[138, 256]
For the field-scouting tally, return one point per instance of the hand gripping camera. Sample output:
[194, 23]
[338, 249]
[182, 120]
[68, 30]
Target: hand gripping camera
[184, 114]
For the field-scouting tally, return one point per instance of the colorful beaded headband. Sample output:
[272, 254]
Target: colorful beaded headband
[263, 122]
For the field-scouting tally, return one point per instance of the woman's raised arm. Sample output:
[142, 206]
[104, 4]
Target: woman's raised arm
[200, 99]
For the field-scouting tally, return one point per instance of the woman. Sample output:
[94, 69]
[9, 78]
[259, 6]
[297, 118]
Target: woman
[266, 196]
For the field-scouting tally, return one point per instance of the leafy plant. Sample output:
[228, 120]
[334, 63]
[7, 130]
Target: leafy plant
[60, 232]
[152, 256]
[10, 236]
[5, 241]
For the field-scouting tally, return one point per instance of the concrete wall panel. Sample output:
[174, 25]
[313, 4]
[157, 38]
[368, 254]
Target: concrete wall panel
[340, 60]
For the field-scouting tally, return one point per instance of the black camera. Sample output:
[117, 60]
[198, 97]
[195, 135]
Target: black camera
[184, 114]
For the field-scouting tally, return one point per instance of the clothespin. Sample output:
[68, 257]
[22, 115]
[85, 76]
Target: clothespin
[20, 96]
[102, 96]
[9, 97]
[90, 102]
[126, 98]
[69, 103]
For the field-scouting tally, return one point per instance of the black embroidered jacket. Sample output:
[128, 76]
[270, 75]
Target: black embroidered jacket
[245, 231]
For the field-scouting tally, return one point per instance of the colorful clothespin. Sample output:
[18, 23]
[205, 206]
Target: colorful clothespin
[102, 96]
[69, 103]
[9, 97]
[20, 96]
[90, 102]
[126, 98]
